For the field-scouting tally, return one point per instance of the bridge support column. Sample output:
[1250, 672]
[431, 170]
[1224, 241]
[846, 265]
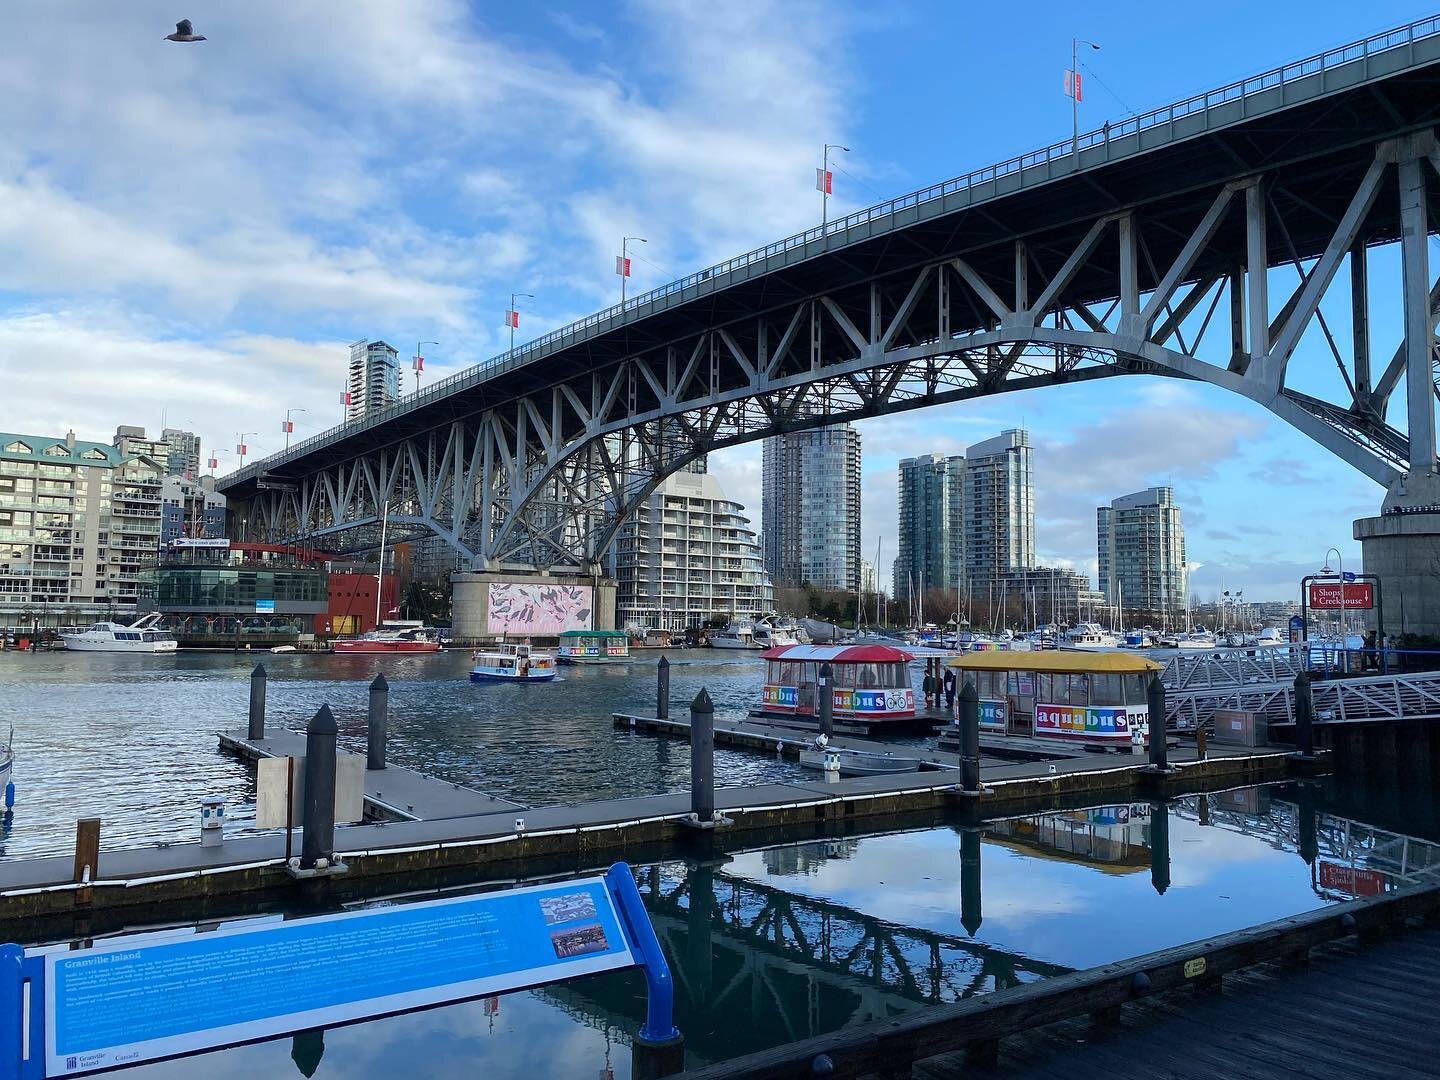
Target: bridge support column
[1403, 551]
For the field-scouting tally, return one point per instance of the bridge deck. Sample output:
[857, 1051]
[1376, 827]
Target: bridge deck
[1358, 1011]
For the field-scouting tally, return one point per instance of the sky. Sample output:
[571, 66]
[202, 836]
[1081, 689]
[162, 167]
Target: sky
[191, 235]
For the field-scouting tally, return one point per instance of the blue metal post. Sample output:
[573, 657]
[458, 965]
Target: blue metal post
[659, 1045]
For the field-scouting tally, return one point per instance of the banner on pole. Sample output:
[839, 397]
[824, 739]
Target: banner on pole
[622, 266]
[823, 178]
[1072, 84]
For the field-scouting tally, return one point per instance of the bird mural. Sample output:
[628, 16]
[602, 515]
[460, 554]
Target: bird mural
[184, 31]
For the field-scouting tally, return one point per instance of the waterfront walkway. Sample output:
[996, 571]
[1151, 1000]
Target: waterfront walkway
[1359, 1011]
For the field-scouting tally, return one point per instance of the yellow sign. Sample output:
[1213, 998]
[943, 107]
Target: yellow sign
[1194, 967]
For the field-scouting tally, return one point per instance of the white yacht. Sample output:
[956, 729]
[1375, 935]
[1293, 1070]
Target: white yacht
[141, 636]
[736, 635]
[1089, 635]
[773, 632]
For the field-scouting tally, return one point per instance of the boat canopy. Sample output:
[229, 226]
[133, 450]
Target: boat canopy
[595, 634]
[1057, 663]
[838, 654]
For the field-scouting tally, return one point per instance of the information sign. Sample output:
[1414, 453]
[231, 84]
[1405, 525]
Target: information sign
[1351, 879]
[121, 1002]
[264, 607]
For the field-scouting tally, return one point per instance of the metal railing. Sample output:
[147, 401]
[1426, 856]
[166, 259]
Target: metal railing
[1285, 74]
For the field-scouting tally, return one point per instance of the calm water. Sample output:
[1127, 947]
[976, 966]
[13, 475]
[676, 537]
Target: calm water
[131, 739]
[784, 943]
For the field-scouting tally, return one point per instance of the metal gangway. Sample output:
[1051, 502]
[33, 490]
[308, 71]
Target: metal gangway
[1359, 699]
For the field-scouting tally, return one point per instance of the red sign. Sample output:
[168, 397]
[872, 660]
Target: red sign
[1348, 879]
[345, 398]
[1358, 595]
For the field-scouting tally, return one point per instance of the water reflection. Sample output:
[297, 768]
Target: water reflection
[774, 945]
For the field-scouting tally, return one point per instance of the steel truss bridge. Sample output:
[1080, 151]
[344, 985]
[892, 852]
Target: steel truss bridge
[1197, 241]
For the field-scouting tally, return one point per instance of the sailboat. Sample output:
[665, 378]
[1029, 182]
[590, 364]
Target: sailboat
[412, 637]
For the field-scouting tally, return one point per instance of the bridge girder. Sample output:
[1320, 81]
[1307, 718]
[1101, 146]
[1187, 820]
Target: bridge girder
[547, 476]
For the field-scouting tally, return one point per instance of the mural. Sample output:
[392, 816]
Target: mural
[544, 610]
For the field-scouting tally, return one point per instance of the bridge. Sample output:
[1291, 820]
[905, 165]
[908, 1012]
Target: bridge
[1196, 241]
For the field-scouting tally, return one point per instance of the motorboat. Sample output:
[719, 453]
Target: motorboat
[773, 632]
[736, 635]
[7, 762]
[390, 639]
[142, 636]
[1089, 635]
[512, 663]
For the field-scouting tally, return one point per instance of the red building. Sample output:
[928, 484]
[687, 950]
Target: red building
[352, 603]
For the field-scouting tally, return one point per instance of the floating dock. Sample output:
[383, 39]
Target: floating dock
[392, 793]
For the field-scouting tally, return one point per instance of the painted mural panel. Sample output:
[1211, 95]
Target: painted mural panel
[543, 610]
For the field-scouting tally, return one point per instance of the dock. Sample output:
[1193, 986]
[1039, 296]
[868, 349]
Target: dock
[392, 793]
[1340, 991]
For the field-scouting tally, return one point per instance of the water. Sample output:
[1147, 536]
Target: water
[784, 943]
[132, 739]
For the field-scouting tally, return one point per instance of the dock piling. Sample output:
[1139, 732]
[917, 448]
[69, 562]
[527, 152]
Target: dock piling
[257, 703]
[318, 824]
[87, 858]
[662, 689]
[1304, 715]
[969, 738]
[1155, 695]
[702, 757]
[379, 730]
[825, 702]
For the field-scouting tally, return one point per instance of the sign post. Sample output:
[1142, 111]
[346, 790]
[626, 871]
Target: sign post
[67, 1013]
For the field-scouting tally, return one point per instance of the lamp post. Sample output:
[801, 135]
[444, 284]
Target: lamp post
[288, 427]
[824, 184]
[512, 317]
[1075, 43]
[417, 364]
[240, 444]
[622, 267]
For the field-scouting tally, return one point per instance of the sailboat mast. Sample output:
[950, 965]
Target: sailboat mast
[380, 577]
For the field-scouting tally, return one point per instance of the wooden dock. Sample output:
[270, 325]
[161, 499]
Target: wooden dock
[392, 793]
[1343, 991]
[788, 739]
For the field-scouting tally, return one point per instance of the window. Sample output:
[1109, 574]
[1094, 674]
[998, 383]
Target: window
[58, 450]
[93, 454]
[18, 447]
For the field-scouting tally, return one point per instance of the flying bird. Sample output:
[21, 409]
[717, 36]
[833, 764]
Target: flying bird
[184, 31]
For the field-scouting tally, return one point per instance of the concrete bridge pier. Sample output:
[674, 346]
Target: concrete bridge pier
[1402, 548]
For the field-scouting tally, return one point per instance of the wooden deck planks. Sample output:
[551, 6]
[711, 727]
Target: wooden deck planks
[1357, 1012]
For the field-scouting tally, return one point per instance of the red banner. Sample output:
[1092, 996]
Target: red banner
[1359, 595]
[1348, 879]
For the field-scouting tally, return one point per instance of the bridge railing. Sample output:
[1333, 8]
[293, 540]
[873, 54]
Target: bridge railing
[1352, 52]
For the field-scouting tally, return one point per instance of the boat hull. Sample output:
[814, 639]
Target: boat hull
[77, 643]
[853, 763]
[594, 659]
[494, 676]
[358, 647]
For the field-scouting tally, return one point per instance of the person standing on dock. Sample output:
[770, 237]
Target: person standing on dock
[927, 685]
[948, 681]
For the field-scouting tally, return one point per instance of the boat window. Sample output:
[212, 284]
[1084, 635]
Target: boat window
[989, 684]
[1135, 689]
[1107, 690]
[1045, 689]
[1079, 689]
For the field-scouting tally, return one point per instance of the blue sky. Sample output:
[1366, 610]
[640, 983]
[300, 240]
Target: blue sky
[196, 232]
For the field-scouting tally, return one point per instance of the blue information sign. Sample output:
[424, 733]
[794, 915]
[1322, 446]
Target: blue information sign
[119, 1003]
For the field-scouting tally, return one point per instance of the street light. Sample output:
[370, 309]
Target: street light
[288, 427]
[240, 444]
[622, 264]
[1075, 91]
[512, 317]
[417, 364]
[824, 180]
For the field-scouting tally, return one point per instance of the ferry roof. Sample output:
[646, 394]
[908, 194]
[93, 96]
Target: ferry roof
[595, 633]
[838, 654]
[1056, 663]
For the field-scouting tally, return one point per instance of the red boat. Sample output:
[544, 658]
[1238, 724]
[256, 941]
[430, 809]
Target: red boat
[413, 640]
